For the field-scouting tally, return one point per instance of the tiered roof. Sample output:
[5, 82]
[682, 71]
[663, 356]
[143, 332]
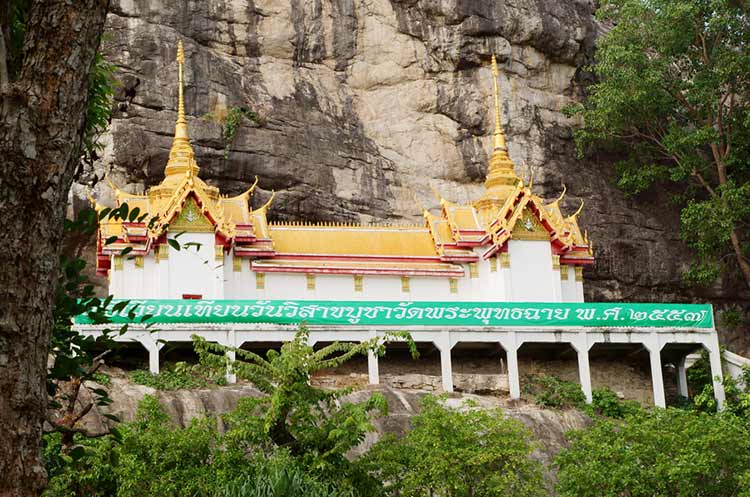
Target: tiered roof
[508, 209]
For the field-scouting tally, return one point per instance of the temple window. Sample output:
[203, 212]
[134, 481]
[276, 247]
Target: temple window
[357, 282]
[493, 264]
[310, 282]
[236, 264]
[117, 262]
[405, 284]
[453, 284]
[473, 270]
[260, 281]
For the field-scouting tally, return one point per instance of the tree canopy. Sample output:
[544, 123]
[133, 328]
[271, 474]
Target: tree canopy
[672, 97]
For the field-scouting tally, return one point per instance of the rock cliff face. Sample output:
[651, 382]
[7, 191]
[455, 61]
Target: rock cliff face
[365, 106]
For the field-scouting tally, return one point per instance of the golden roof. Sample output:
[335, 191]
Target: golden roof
[389, 241]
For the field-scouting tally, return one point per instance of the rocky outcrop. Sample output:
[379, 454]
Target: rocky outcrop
[365, 106]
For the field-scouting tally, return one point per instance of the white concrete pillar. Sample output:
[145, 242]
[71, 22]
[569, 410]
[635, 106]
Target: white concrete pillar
[231, 343]
[511, 353]
[584, 371]
[152, 346]
[443, 344]
[682, 386]
[231, 377]
[657, 381]
[373, 371]
[714, 355]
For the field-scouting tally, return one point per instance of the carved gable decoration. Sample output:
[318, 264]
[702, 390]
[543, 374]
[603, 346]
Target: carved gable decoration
[528, 227]
[191, 219]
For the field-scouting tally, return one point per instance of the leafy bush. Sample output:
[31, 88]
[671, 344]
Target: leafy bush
[458, 452]
[605, 402]
[664, 452]
[154, 458]
[279, 476]
[551, 391]
[178, 376]
[102, 379]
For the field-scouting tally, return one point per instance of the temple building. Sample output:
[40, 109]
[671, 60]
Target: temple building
[508, 245]
[505, 268]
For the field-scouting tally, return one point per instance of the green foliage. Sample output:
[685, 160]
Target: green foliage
[604, 402]
[76, 358]
[19, 12]
[99, 110]
[279, 476]
[672, 96]
[317, 426]
[231, 120]
[91, 473]
[665, 453]
[458, 452]
[101, 379]
[154, 458]
[551, 391]
[180, 375]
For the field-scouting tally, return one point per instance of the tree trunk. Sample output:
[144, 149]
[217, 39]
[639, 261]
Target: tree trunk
[40, 138]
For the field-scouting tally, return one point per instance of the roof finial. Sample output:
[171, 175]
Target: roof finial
[502, 179]
[180, 97]
[181, 156]
[499, 142]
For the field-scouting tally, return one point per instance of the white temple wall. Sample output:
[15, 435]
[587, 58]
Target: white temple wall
[532, 276]
[192, 268]
[568, 285]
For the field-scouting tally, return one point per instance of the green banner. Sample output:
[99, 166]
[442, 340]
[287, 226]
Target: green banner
[320, 312]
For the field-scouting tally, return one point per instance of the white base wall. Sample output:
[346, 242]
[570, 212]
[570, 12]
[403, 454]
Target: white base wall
[195, 270]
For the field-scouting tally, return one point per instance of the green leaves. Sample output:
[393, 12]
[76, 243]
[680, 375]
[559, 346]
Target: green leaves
[663, 452]
[101, 92]
[458, 451]
[672, 101]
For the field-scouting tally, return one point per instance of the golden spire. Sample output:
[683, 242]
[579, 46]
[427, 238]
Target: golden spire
[499, 140]
[181, 156]
[502, 179]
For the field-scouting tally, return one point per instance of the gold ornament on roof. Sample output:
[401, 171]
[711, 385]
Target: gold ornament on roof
[181, 156]
[502, 179]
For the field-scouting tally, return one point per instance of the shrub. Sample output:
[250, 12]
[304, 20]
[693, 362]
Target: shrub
[178, 376]
[459, 452]
[605, 402]
[664, 452]
[551, 391]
